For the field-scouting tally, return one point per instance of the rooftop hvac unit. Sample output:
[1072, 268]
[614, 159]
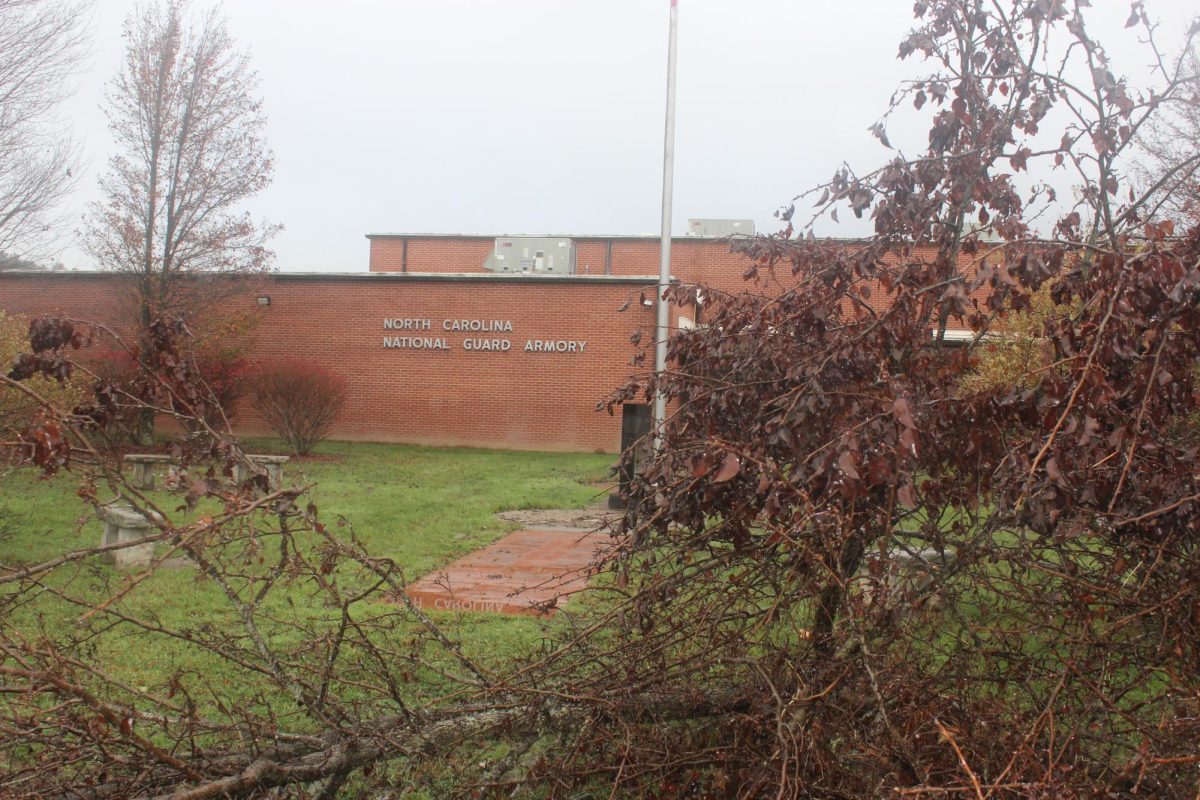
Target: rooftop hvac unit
[720, 227]
[532, 255]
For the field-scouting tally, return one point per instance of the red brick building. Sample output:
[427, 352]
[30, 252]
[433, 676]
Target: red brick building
[443, 341]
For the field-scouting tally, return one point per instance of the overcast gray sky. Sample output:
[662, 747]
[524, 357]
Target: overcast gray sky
[545, 116]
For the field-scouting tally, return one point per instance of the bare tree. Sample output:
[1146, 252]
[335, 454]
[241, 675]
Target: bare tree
[189, 125]
[41, 42]
[1171, 165]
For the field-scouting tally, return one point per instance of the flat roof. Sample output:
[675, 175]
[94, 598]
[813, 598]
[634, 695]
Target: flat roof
[369, 277]
[466, 277]
[625, 236]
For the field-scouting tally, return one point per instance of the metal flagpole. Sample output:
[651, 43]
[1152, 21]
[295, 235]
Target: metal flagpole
[664, 263]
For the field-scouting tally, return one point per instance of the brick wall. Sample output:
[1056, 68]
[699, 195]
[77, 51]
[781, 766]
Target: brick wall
[430, 253]
[513, 399]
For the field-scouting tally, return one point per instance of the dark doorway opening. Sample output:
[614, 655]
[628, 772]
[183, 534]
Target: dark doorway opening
[635, 435]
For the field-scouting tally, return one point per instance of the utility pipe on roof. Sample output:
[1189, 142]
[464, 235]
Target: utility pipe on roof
[664, 263]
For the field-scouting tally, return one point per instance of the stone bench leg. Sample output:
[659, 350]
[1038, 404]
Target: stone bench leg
[241, 473]
[143, 476]
[129, 557]
[274, 476]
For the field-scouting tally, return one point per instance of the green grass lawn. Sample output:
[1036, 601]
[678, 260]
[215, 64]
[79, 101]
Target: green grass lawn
[421, 507]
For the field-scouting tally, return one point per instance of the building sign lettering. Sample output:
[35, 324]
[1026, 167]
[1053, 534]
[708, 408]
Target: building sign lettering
[406, 324]
[415, 343]
[473, 325]
[487, 344]
[553, 346]
[474, 344]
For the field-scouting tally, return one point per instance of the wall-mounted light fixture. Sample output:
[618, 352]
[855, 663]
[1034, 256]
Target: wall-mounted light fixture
[264, 300]
[648, 302]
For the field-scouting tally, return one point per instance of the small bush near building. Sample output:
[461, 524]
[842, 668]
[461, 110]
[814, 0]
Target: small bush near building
[300, 401]
[227, 374]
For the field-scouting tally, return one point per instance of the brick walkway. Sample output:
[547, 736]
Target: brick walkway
[520, 574]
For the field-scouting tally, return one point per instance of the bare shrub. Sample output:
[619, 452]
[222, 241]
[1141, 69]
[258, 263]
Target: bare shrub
[300, 401]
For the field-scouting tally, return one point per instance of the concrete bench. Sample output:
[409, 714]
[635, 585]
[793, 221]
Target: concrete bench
[272, 465]
[913, 570]
[144, 465]
[143, 468]
[123, 524]
[924, 559]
